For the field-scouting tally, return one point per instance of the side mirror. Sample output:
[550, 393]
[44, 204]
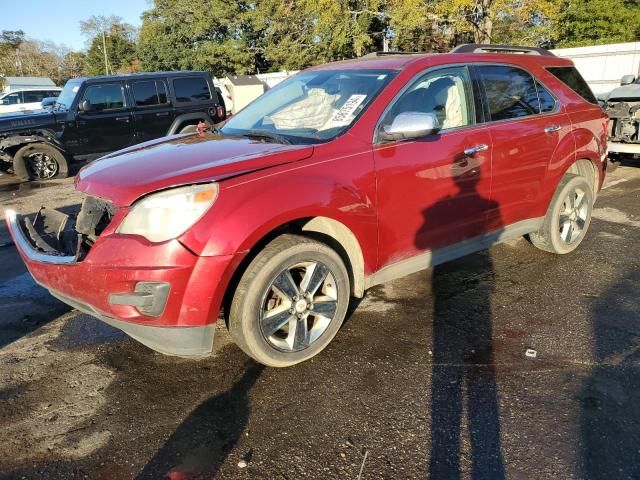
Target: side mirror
[48, 102]
[4, 101]
[409, 125]
[602, 103]
[85, 106]
[627, 80]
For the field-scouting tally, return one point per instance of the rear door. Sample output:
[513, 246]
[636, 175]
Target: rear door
[431, 193]
[526, 125]
[107, 126]
[153, 112]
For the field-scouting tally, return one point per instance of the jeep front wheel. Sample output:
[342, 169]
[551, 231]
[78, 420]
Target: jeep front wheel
[39, 161]
[290, 302]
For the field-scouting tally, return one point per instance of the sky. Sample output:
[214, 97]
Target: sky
[59, 20]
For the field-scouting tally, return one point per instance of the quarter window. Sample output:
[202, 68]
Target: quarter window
[191, 89]
[572, 78]
[105, 96]
[511, 92]
[445, 93]
[149, 92]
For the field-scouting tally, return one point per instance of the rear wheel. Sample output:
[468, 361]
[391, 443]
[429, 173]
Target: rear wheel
[39, 161]
[567, 218]
[290, 302]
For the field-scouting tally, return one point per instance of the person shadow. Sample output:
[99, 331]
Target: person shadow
[463, 367]
[200, 445]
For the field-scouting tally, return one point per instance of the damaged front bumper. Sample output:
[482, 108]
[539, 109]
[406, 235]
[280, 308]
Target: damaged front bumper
[153, 292]
[624, 126]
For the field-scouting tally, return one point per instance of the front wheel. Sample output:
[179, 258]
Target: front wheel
[290, 302]
[39, 161]
[567, 218]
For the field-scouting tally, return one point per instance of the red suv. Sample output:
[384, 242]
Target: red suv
[343, 177]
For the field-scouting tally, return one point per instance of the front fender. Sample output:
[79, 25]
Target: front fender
[249, 208]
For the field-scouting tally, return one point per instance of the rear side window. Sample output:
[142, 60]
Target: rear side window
[149, 92]
[191, 89]
[105, 96]
[511, 92]
[34, 96]
[547, 101]
[572, 79]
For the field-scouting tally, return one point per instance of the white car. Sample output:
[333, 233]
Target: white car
[26, 98]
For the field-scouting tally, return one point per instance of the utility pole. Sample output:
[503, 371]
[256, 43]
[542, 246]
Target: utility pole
[104, 49]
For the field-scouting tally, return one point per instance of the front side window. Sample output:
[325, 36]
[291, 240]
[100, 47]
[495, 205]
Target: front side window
[149, 92]
[510, 91]
[104, 96]
[12, 99]
[191, 89]
[311, 107]
[445, 93]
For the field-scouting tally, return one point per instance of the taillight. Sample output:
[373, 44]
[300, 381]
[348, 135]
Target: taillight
[219, 111]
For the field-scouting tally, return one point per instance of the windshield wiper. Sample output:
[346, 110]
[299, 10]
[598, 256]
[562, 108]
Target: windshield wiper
[263, 134]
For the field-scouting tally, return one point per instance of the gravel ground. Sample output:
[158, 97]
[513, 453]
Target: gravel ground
[428, 377]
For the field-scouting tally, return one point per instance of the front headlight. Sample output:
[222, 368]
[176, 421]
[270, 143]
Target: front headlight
[166, 215]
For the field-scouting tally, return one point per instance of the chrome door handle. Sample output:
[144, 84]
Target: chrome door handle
[477, 149]
[122, 119]
[552, 128]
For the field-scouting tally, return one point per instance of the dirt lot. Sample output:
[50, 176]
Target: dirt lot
[428, 377]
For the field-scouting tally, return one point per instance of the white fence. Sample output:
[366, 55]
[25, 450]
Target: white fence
[602, 66]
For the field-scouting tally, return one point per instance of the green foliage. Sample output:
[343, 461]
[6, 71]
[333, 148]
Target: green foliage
[589, 22]
[121, 52]
[214, 35]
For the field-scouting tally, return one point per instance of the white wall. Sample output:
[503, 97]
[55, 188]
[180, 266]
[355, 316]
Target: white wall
[602, 66]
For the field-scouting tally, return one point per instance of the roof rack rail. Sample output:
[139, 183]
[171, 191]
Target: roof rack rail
[488, 48]
[382, 54]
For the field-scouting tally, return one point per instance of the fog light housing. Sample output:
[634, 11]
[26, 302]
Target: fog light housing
[149, 298]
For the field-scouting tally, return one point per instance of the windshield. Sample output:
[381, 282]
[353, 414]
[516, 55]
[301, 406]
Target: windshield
[311, 107]
[68, 93]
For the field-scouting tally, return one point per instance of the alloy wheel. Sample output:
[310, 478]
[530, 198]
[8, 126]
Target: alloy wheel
[573, 216]
[42, 166]
[298, 306]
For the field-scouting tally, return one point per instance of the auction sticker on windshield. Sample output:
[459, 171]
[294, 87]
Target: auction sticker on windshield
[344, 116]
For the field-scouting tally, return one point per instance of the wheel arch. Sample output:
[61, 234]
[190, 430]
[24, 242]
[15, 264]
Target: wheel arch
[180, 121]
[327, 230]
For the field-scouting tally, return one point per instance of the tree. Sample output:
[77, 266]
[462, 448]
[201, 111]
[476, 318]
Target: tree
[215, 35]
[585, 22]
[112, 44]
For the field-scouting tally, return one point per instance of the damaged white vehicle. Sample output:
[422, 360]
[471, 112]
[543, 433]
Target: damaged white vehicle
[623, 107]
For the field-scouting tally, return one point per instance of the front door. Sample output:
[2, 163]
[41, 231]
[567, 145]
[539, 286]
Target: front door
[106, 126]
[433, 191]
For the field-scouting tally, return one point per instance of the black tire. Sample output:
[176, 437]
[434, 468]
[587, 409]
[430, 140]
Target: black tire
[40, 161]
[255, 291]
[550, 237]
[188, 129]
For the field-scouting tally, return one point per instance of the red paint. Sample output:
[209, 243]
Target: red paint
[385, 194]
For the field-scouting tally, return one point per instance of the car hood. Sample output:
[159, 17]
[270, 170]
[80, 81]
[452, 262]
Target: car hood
[124, 176]
[27, 119]
[627, 92]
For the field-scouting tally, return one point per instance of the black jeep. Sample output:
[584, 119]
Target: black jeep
[97, 115]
